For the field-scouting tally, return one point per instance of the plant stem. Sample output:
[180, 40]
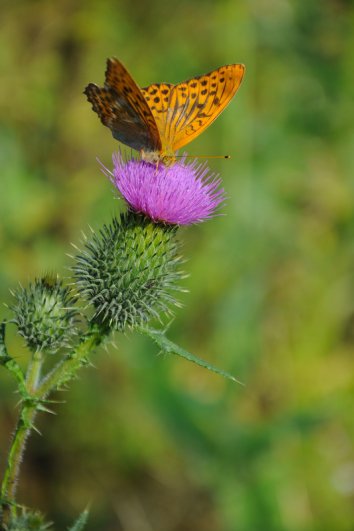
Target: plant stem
[68, 366]
[24, 425]
[9, 484]
[37, 390]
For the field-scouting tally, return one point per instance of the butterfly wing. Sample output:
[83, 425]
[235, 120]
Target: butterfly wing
[122, 107]
[185, 110]
[159, 99]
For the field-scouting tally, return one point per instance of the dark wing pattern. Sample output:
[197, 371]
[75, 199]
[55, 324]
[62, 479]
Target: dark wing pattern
[122, 107]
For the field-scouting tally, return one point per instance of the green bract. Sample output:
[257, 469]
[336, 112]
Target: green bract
[129, 270]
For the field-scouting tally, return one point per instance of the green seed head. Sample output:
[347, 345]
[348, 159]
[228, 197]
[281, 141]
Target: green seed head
[129, 271]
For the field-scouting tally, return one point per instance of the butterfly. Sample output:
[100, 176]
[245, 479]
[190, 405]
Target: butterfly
[159, 119]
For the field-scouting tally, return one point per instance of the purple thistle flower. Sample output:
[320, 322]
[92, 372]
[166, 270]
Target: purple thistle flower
[180, 194]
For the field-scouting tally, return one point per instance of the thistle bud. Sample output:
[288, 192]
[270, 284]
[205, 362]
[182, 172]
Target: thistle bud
[129, 271]
[44, 314]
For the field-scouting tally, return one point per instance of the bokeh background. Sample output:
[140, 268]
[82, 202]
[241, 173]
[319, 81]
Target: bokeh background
[154, 443]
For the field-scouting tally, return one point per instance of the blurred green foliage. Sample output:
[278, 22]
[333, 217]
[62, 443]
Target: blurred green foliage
[157, 444]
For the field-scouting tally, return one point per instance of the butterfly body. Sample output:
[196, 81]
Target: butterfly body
[161, 118]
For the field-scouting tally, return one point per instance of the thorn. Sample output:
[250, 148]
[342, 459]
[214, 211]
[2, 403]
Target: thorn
[45, 409]
[36, 429]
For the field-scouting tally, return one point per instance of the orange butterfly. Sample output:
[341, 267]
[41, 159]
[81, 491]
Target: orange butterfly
[161, 118]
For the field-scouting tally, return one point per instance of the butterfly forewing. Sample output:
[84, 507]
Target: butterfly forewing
[122, 107]
[194, 104]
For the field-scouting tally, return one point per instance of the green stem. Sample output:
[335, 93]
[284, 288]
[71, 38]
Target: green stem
[24, 425]
[68, 366]
[9, 484]
[34, 372]
[37, 391]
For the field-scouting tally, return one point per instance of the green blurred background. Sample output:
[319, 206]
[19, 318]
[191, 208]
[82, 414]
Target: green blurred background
[153, 443]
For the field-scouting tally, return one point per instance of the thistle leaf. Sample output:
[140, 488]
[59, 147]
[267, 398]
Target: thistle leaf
[80, 522]
[169, 347]
[9, 362]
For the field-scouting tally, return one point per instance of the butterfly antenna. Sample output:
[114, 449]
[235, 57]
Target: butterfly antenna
[203, 156]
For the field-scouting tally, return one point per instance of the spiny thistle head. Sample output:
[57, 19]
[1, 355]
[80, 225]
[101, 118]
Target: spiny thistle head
[129, 271]
[181, 194]
[44, 314]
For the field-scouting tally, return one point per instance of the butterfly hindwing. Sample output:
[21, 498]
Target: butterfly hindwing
[122, 107]
[158, 97]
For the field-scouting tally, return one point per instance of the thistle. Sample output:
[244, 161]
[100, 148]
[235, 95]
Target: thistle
[181, 194]
[45, 315]
[129, 271]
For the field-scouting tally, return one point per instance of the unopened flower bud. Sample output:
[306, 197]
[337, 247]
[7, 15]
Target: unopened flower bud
[44, 314]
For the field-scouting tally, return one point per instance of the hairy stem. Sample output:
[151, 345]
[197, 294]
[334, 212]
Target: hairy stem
[68, 366]
[24, 425]
[36, 392]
